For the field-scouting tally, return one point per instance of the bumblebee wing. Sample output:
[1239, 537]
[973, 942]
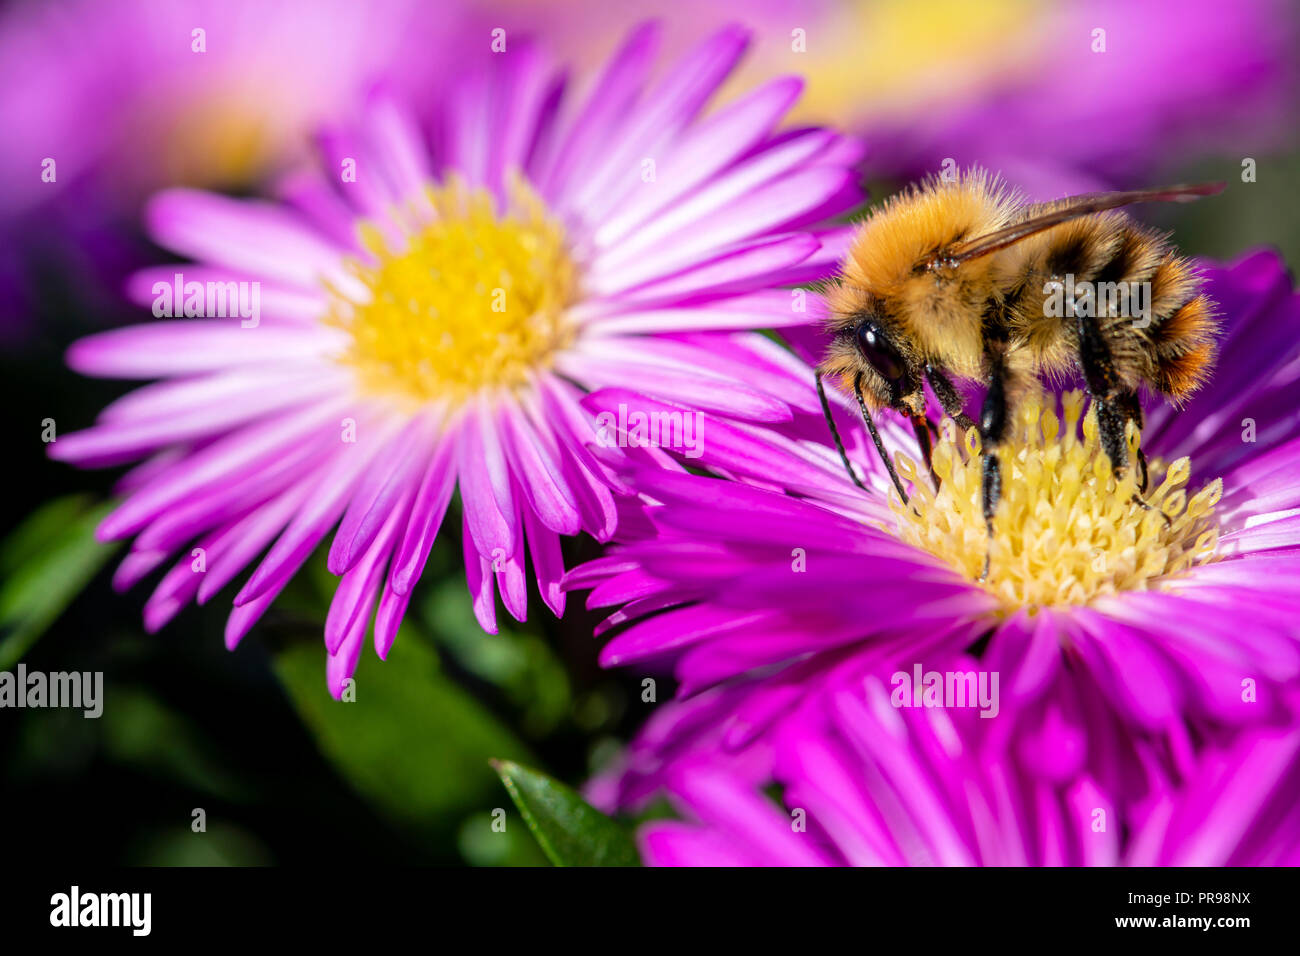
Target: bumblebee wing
[1073, 208]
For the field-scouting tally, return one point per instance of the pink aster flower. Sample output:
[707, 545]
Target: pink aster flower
[429, 318]
[1124, 641]
[865, 784]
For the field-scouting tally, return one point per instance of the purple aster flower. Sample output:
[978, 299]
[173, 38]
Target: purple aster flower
[429, 319]
[862, 783]
[1124, 640]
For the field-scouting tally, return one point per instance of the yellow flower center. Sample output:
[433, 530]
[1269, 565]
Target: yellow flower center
[1066, 530]
[467, 300]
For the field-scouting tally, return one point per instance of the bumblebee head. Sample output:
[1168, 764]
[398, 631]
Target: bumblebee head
[867, 352]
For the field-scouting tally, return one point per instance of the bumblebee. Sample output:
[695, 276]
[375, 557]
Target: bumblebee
[964, 280]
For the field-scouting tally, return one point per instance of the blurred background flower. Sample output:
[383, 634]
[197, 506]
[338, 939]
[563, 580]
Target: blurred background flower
[1057, 96]
[128, 96]
[114, 93]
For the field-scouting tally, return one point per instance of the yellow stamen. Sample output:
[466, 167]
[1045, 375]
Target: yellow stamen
[1066, 530]
[470, 300]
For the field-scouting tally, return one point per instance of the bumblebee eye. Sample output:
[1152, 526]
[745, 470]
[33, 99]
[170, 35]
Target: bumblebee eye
[882, 356]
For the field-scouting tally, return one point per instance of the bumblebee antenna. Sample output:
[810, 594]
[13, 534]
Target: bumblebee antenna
[875, 437]
[826, 410]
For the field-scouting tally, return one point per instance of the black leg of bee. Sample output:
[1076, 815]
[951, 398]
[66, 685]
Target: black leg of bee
[992, 493]
[1144, 475]
[993, 426]
[1110, 429]
[1111, 422]
[947, 395]
[1129, 405]
[1115, 402]
[1105, 388]
[875, 437]
[839, 444]
[1127, 399]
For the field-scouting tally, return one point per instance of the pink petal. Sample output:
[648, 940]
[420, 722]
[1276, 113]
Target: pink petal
[485, 483]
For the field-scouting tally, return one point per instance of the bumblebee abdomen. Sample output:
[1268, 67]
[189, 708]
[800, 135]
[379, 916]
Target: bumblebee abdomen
[1129, 284]
[1183, 348]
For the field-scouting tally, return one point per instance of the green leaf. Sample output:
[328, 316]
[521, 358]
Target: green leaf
[45, 563]
[570, 830]
[413, 744]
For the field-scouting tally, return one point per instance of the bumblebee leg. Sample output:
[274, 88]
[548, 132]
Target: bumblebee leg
[952, 405]
[1105, 387]
[920, 425]
[1116, 405]
[1144, 474]
[991, 492]
[948, 397]
[839, 444]
[993, 426]
[1111, 422]
[1110, 429]
[875, 437]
